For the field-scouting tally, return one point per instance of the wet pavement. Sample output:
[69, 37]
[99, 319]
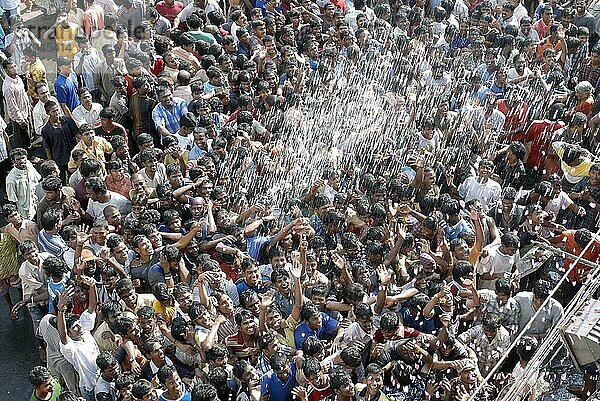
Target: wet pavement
[18, 350]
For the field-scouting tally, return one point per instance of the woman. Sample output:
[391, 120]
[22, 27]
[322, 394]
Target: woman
[585, 100]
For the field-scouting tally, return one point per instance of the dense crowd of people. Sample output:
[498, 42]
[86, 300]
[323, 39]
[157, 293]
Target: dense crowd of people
[314, 200]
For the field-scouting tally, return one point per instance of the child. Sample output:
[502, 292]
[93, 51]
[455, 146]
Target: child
[58, 273]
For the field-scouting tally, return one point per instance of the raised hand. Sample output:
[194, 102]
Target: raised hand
[64, 298]
[267, 299]
[296, 269]
[385, 276]
[339, 261]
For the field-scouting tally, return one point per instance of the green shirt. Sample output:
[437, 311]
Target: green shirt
[55, 393]
[203, 36]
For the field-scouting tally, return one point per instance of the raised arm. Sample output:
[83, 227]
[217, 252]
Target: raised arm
[61, 307]
[296, 272]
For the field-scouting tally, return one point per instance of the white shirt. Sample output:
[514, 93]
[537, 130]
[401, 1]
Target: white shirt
[3, 149]
[96, 209]
[495, 262]
[40, 117]
[88, 68]
[82, 354]
[83, 116]
[487, 193]
[21, 43]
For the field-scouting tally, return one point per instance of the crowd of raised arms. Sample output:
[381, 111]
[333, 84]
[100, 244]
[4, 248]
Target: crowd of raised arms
[298, 200]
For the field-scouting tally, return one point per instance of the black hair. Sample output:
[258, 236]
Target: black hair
[105, 360]
[38, 375]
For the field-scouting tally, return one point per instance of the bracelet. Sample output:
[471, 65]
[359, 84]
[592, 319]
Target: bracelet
[168, 277]
[383, 288]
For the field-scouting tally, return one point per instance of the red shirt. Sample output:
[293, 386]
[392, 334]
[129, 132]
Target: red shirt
[516, 117]
[169, 12]
[318, 394]
[539, 135]
[580, 272]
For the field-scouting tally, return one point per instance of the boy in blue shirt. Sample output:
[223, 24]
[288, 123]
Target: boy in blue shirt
[315, 324]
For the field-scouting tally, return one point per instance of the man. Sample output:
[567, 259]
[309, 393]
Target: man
[583, 17]
[35, 72]
[575, 242]
[18, 228]
[94, 147]
[169, 9]
[56, 196]
[542, 26]
[481, 187]
[188, 10]
[105, 390]
[196, 26]
[183, 90]
[40, 117]
[59, 136]
[48, 238]
[34, 284]
[175, 389]
[185, 51]
[526, 31]
[106, 71]
[18, 105]
[19, 39]
[315, 324]
[589, 69]
[108, 129]
[498, 261]
[88, 112]
[574, 163]
[153, 172]
[76, 341]
[119, 101]
[85, 62]
[529, 303]
[63, 31]
[167, 113]
[539, 136]
[45, 387]
[66, 86]
[100, 197]
[21, 182]
[140, 107]
[279, 382]
[105, 36]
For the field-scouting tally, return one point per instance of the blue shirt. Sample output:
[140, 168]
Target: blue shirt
[254, 243]
[303, 331]
[54, 289]
[278, 390]
[243, 286]
[422, 324]
[66, 90]
[187, 396]
[196, 153]
[52, 243]
[452, 232]
[169, 119]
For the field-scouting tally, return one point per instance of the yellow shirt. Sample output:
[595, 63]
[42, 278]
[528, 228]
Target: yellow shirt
[573, 174]
[99, 147]
[37, 74]
[287, 338]
[166, 311]
[65, 40]
[171, 160]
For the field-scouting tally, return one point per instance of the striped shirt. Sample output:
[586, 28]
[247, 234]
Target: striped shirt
[169, 119]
